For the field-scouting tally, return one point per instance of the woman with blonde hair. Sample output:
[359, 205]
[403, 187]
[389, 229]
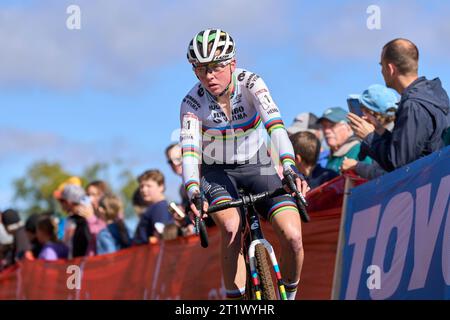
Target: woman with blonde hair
[115, 236]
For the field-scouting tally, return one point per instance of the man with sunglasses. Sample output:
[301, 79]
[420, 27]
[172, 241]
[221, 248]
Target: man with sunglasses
[222, 119]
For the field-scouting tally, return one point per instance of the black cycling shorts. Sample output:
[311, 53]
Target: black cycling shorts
[221, 182]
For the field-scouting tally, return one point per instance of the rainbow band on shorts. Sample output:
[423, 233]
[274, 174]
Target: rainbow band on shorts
[280, 207]
[220, 200]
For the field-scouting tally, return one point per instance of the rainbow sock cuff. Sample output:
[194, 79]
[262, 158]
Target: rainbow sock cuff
[291, 287]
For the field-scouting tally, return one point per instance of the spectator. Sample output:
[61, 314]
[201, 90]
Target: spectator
[96, 190]
[61, 219]
[139, 205]
[115, 236]
[151, 186]
[422, 116]
[46, 233]
[30, 229]
[174, 158]
[378, 105]
[77, 235]
[307, 148]
[21, 247]
[339, 137]
[308, 122]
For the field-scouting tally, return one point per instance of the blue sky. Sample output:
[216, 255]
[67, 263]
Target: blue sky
[112, 89]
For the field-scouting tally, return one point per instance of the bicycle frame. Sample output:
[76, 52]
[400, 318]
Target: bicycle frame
[255, 236]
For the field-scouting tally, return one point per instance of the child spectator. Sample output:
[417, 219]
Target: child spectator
[151, 186]
[307, 149]
[46, 233]
[115, 236]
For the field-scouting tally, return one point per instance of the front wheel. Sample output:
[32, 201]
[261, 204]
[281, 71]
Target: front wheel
[265, 276]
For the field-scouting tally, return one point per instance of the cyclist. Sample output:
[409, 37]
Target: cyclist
[222, 134]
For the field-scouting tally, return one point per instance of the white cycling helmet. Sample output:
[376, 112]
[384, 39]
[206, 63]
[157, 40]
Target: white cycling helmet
[204, 45]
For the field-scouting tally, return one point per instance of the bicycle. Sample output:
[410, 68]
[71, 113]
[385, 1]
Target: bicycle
[255, 246]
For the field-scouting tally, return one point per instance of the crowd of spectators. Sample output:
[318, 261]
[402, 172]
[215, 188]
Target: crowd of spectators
[381, 132]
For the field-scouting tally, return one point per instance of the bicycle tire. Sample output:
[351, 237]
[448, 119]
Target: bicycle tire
[265, 276]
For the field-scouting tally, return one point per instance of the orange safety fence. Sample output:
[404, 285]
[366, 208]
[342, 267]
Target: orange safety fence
[181, 268]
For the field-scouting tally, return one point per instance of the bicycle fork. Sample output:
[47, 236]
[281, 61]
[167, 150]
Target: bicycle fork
[256, 238]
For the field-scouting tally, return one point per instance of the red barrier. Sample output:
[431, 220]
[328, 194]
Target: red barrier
[178, 269]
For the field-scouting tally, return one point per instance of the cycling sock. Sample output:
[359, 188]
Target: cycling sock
[237, 294]
[291, 290]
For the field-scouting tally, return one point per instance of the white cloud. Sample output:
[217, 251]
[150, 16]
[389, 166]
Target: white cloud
[119, 41]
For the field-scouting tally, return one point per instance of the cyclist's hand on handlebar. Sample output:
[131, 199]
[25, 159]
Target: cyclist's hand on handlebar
[194, 208]
[300, 182]
[302, 186]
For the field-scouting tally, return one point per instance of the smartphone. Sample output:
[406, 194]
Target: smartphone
[354, 106]
[173, 208]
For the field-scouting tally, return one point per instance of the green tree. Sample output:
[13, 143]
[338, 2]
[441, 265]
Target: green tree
[34, 190]
[36, 187]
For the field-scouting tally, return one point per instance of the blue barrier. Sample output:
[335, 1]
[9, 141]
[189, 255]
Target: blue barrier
[397, 234]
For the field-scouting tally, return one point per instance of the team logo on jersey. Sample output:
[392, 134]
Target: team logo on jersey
[241, 76]
[251, 81]
[200, 92]
[190, 101]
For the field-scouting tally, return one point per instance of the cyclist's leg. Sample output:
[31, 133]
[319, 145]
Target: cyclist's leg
[288, 229]
[283, 214]
[229, 222]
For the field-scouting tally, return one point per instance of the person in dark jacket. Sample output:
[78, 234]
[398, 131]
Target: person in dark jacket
[307, 149]
[151, 186]
[422, 116]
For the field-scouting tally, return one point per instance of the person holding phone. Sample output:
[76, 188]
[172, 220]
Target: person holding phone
[376, 105]
[423, 111]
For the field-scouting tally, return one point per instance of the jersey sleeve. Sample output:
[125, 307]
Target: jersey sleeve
[190, 138]
[270, 115]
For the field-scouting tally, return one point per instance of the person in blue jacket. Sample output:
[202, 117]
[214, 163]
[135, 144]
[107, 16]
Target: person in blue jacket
[423, 113]
[114, 236]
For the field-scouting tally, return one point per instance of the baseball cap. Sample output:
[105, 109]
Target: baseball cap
[11, 220]
[72, 180]
[378, 98]
[334, 114]
[306, 121]
[73, 193]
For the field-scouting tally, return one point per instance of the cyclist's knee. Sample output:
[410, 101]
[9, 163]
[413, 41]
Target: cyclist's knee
[230, 228]
[230, 233]
[293, 239]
